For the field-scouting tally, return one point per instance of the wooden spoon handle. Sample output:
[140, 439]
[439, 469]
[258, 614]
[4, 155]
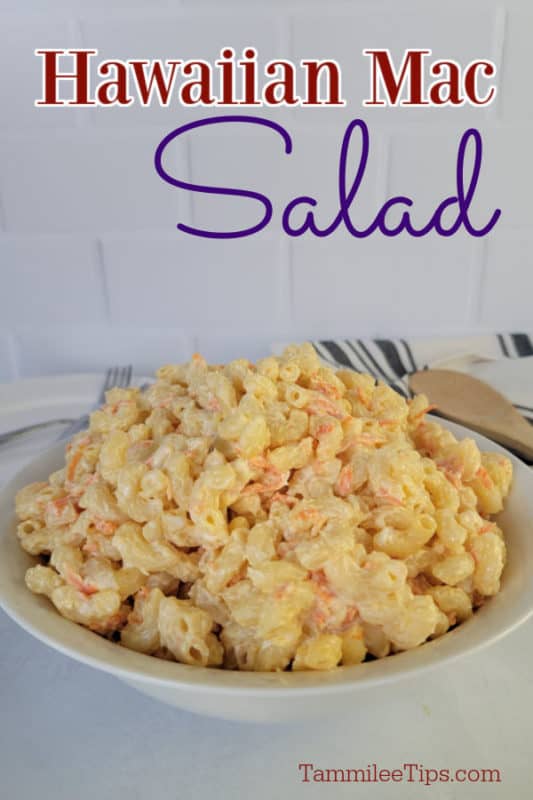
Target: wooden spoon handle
[471, 402]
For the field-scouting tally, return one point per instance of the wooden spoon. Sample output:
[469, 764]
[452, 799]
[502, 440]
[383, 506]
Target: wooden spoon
[477, 405]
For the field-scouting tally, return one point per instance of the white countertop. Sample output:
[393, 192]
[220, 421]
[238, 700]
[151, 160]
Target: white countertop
[68, 731]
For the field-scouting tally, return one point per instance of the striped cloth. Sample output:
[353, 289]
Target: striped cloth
[486, 357]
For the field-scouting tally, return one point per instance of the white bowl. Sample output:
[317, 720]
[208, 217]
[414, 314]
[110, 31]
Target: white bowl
[270, 696]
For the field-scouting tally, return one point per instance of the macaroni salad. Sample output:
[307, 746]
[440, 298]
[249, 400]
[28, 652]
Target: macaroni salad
[266, 517]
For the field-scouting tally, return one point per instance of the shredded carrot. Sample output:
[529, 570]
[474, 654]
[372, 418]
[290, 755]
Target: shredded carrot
[325, 593]
[265, 488]
[385, 495]
[486, 528]
[287, 499]
[79, 584]
[344, 483]
[56, 506]
[324, 597]
[164, 402]
[110, 624]
[351, 614]
[272, 481]
[484, 477]
[214, 404]
[319, 618]
[73, 463]
[91, 547]
[363, 399]
[425, 410]
[259, 462]
[319, 466]
[105, 526]
[319, 577]
[323, 405]
[453, 471]
[367, 439]
[236, 578]
[324, 387]
[363, 439]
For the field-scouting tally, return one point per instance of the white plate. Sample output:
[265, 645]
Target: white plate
[271, 696]
[39, 399]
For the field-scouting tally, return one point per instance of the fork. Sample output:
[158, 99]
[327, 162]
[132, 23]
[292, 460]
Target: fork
[119, 377]
[115, 376]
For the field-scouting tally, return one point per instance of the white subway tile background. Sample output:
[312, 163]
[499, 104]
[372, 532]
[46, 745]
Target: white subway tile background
[92, 267]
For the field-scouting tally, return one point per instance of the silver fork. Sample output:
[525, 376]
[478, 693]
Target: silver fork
[119, 377]
[115, 376]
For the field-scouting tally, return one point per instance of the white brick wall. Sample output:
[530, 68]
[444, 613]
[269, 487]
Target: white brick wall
[49, 273]
[92, 269]
[195, 283]
[505, 298]
[7, 361]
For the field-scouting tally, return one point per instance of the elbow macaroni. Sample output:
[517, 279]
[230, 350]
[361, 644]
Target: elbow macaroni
[266, 517]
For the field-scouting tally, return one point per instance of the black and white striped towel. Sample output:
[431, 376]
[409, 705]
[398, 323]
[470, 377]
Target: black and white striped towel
[505, 361]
